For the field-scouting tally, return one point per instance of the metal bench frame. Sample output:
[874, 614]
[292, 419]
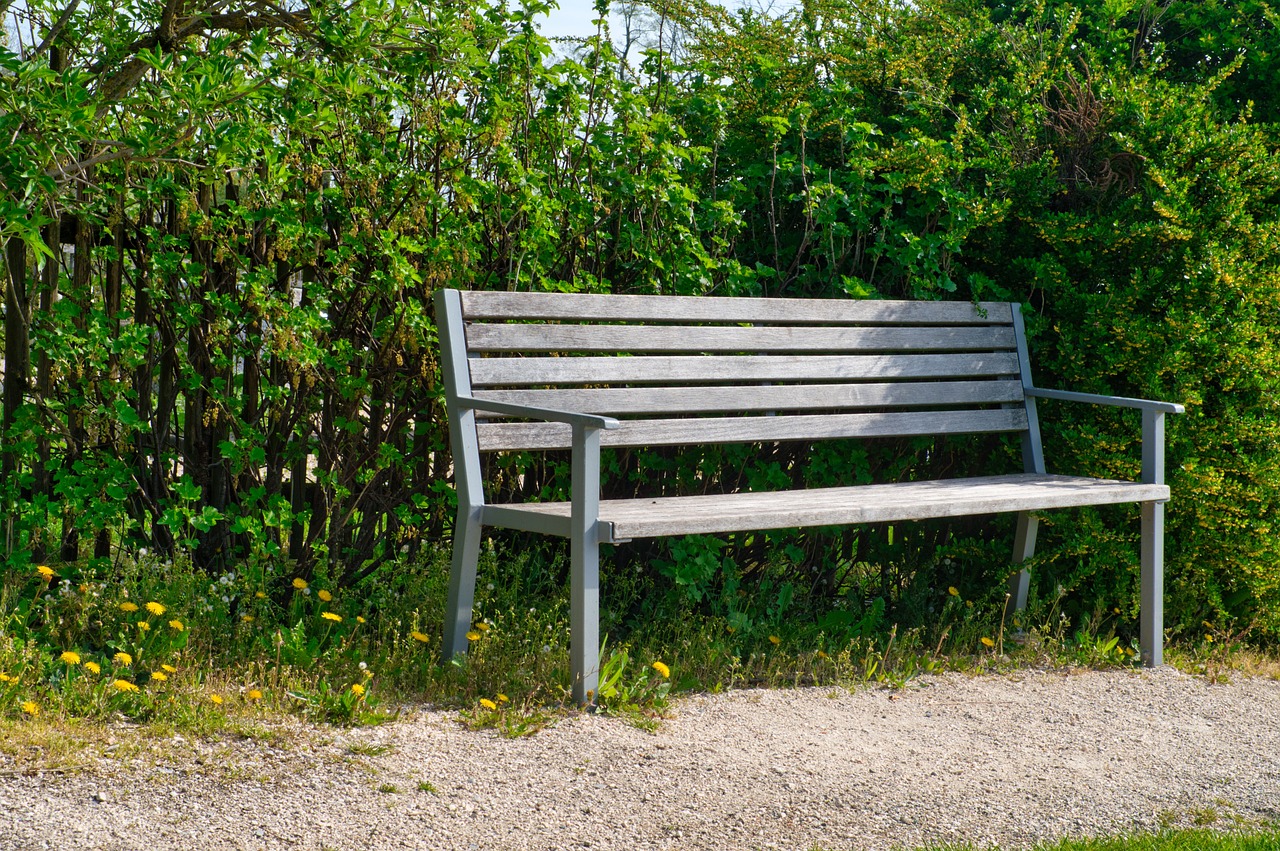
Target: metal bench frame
[673, 370]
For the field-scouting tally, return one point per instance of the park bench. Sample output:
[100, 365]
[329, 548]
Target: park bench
[547, 371]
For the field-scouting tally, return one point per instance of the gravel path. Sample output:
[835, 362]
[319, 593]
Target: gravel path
[1011, 760]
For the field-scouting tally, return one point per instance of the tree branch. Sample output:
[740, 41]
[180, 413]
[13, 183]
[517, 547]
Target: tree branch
[56, 29]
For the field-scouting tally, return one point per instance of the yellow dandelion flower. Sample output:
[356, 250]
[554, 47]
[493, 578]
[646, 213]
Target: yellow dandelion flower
[330, 616]
[1208, 638]
[30, 708]
[93, 667]
[968, 604]
[124, 686]
[122, 658]
[155, 608]
[159, 676]
[775, 640]
[417, 636]
[662, 669]
[169, 669]
[176, 625]
[246, 618]
[5, 678]
[359, 619]
[45, 571]
[822, 654]
[987, 642]
[260, 595]
[69, 658]
[215, 699]
[953, 591]
[488, 704]
[473, 636]
[357, 689]
[300, 584]
[253, 694]
[502, 698]
[128, 608]
[482, 626]
[144, 626]
[325, 596]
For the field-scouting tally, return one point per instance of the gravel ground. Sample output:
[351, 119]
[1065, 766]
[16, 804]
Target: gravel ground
[1012, 760]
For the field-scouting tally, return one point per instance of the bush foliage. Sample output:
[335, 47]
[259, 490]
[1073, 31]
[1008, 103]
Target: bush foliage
[222, 228]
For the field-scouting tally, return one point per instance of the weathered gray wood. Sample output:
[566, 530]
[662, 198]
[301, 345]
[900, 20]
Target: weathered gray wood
[713, 338]
[675, 432]
[712, 514]
[491, 372]
[776, 397]
[784, 311]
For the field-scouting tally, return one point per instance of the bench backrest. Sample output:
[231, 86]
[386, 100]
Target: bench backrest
[688, 370]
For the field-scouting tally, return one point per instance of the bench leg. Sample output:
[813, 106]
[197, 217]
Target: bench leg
[1024, 547]
[1152, 630]
[584, 619]
[462, 583]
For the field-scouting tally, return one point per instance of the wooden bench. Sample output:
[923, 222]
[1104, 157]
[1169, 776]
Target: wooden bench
[542, 371]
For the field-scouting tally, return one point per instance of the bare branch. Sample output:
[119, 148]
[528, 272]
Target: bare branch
[58, 27]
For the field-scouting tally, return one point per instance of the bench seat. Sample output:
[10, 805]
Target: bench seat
[626, 519]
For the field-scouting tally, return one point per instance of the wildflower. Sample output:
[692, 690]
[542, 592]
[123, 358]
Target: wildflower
[775, 640]
[124, 686]
[93, 667]
[953, 591]
[155, 608]
[1208, 638]
[144, 626]
[417, 636]
[159, 676]
[502, 698]
[69, 658]
[330, 616]
[260, 595]
[822, 654]
[325, 596]
[128, 608]
[661, 668]
[254, 694]
[357, 689]
[359, 619]
[482, 626]
[364, 665]
[169, 669]
[45, 571]
[488, 704]
[473, 636]
[122, 658]
[215, 699]
[176, 625]
[300, 583]
[968, 604]
[246, 618]
[987, 642]
[30, 708]
[5, 678]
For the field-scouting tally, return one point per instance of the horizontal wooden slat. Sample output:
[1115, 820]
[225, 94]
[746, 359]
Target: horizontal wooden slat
[787, 311]
[711, 514]
[490, 372]
[776, 397]
[671, 432]
[713, 338]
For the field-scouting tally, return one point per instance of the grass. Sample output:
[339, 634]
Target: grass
[166, 646]
[1264, 839]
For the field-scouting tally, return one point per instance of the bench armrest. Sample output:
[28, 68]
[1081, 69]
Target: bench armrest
[1113, 401]
[551, 415]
